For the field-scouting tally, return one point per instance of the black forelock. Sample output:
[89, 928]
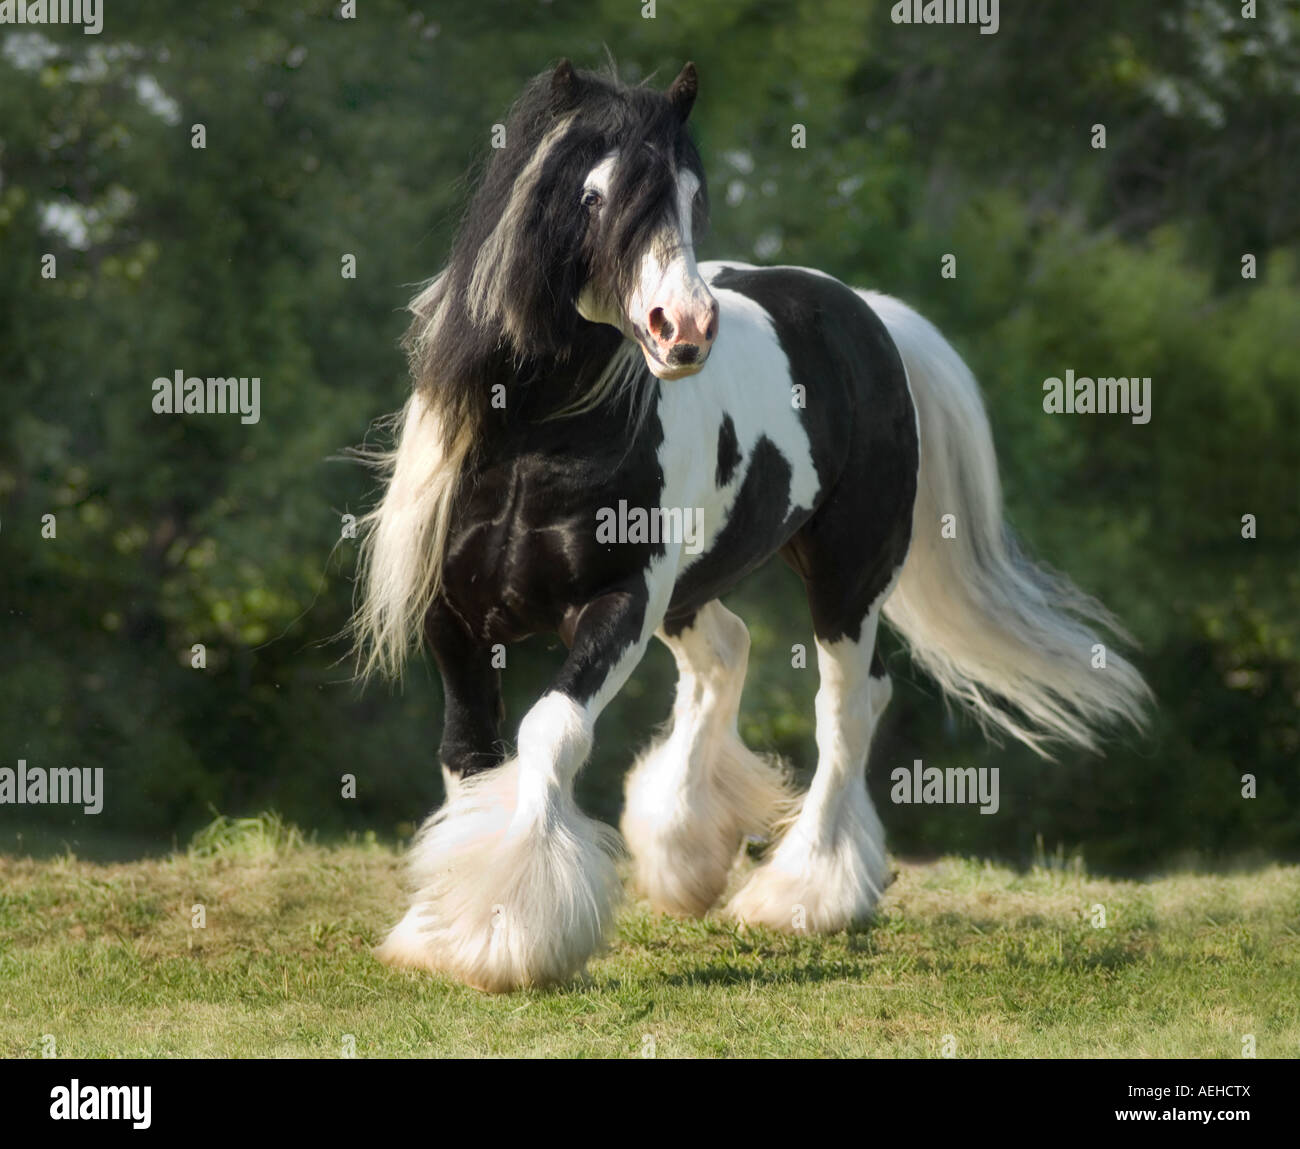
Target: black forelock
[553, 251]
[653, 150]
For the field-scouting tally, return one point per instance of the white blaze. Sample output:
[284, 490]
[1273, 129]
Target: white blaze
[668, 270]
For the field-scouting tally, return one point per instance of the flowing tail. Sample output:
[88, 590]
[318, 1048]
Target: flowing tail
[1012, 640]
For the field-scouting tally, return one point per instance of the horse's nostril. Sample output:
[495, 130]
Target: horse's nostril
[661, 326]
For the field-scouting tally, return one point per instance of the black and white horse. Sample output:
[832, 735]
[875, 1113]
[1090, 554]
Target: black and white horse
[573, 358]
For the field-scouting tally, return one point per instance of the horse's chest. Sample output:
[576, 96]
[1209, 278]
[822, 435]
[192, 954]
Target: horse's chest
[530, 541]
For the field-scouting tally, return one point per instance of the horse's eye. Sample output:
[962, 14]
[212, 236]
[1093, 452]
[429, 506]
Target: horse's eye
[592, 198]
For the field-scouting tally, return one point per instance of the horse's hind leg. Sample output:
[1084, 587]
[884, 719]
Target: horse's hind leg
[829, 869]
[694, 794]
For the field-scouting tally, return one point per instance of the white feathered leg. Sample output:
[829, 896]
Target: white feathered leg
[694, 794]
[829, 869]
[514, 885]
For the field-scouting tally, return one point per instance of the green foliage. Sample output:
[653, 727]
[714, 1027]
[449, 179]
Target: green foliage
[328, 137]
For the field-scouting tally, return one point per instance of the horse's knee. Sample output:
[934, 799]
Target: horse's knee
[714, 649]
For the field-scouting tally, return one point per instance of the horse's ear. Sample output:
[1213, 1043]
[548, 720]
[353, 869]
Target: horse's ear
[564, 87]
[683, 91]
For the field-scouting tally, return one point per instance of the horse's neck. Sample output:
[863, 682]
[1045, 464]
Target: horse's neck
[534, 410]
[537, 388]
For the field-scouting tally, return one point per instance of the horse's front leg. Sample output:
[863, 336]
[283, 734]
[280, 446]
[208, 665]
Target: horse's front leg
[514, 885]
[471, 693]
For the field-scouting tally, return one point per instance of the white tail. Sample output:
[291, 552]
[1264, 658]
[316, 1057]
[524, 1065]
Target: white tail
[987, 624]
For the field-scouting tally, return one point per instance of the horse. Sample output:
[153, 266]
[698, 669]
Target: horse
[573, 357]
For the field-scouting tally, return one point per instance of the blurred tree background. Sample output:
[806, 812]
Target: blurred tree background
[329, 136]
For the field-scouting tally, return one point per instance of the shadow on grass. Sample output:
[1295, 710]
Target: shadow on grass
[794, 959]
[803, 975]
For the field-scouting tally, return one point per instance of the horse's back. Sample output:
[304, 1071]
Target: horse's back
[846, 381]
[838, 348]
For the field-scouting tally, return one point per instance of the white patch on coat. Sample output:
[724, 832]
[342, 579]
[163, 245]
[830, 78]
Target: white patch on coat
[748, 378]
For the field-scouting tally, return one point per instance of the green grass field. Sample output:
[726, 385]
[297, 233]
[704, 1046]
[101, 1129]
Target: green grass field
[106, 961]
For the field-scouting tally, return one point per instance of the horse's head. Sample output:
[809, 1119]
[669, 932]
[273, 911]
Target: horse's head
[641, 204]
[589, 212]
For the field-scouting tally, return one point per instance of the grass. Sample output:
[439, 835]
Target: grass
[106, 959]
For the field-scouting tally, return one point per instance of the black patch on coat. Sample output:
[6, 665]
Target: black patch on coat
[728, 452]
[761, 520]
